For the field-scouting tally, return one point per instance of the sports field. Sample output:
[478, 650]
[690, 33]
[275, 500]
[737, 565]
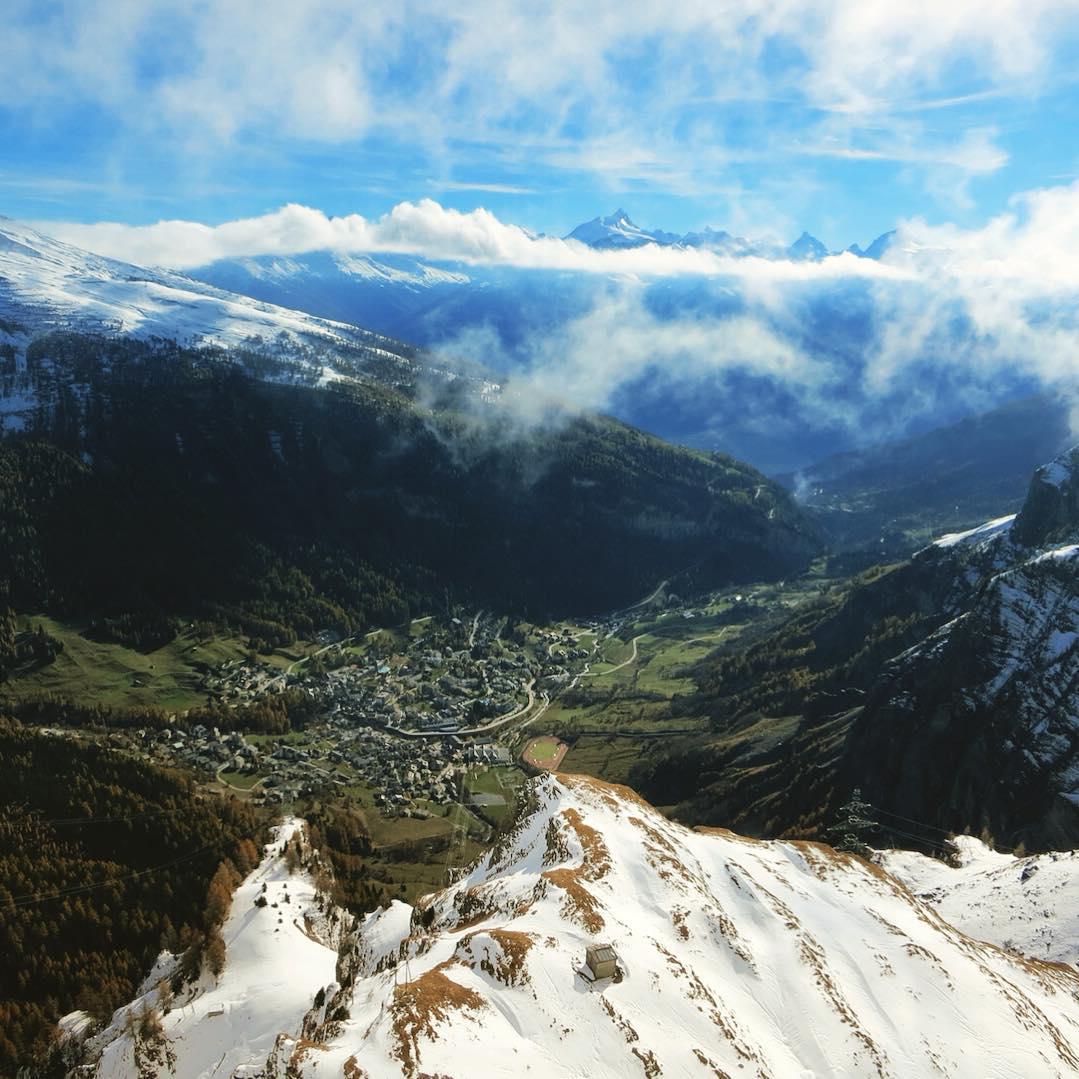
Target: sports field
[545, 752]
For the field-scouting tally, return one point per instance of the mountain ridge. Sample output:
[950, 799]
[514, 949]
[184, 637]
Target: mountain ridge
[789, 958]
[618, 231]
[944, 684]
[322, 435]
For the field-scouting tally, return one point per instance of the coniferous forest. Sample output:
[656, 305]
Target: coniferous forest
[180, 482]
[98, 873]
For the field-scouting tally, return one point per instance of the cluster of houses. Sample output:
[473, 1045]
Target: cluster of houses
[200, 748]
[407, 721]
[429, 689]
[403, 772]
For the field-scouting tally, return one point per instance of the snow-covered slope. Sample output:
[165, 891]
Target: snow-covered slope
[1025, 904]
[278, 956]
[392, 270]
[735, 957]
[45, 284]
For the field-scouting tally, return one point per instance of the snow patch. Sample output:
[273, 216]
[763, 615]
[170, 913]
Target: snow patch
[975, 535]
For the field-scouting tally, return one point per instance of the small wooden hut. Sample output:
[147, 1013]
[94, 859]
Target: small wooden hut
[601, 961]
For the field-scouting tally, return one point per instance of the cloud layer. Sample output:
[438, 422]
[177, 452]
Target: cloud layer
[949, 317]
[426, 229]
[644, 92]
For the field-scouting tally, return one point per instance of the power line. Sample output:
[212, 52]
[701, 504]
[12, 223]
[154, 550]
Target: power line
[908, 820]
[75, 821]
[72, 822]
[917, 838]
[948, 835]
[61, 893]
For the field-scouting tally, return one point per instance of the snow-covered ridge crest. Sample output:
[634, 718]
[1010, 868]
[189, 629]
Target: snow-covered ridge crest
[45, 284]
[281, 953]
[779, 958]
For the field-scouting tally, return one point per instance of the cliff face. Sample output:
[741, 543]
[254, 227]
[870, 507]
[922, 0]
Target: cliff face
[1051, 510]
[977, 726]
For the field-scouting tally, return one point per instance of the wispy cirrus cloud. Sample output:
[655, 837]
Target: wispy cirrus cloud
[644, 91]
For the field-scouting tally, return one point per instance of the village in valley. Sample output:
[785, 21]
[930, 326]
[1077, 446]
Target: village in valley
[412, 721]
[403, 716]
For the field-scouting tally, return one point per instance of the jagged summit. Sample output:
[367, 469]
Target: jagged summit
[617, 230]
[1051, 509]
[613, 231]
[779, 958]
[807, 249]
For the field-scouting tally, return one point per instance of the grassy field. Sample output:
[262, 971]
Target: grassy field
[239, 781]
[608, 758]
[110, 674]
[634, 698]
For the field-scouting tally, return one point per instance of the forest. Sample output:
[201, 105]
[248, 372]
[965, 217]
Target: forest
[156, 482]
[98, 873]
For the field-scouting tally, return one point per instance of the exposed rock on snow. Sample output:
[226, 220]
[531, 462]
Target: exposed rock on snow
[735, 957]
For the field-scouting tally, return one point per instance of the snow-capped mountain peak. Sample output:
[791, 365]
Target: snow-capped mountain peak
[615, 230]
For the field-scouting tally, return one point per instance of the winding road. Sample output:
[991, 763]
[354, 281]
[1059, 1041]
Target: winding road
[624, 663]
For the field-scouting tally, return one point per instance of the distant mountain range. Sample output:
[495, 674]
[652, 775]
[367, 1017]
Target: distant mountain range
[617, 231]
[513, 321]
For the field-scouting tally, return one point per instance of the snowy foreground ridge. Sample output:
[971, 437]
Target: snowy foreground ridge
[736, 957]
[277, 958]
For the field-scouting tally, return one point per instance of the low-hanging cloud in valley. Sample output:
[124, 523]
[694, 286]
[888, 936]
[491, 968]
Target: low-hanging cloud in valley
[949, 314]
[956, 319]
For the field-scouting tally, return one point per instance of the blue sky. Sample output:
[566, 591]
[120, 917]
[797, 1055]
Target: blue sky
[765, 117]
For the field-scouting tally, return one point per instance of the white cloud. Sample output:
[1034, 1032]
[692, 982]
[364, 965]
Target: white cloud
[977, 153]
[967, 317]
[617, 79]
[950, 313]
[427, 229]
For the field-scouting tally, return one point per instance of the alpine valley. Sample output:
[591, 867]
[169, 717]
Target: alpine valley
[368, 710]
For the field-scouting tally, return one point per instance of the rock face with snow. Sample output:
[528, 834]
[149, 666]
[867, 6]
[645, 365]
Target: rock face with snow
[980, 721]
[734, 957]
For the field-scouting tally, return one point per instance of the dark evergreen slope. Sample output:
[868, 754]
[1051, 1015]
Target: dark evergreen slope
[152, 480]
[97, 874]
[946, 688]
